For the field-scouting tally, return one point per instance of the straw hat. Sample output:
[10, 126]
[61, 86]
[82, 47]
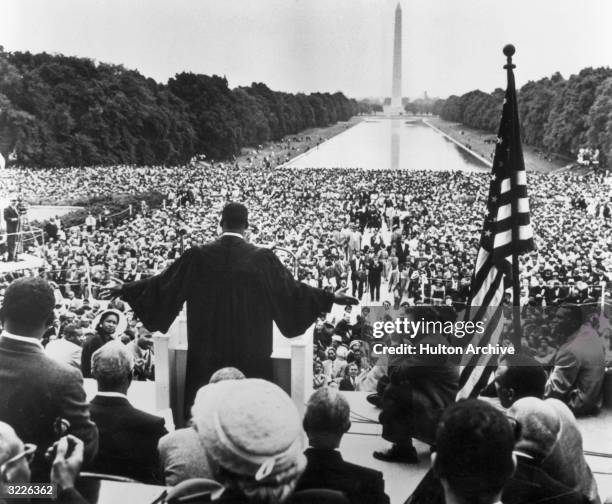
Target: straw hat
[249, 427]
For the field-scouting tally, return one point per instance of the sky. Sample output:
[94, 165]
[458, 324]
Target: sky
[449, 46]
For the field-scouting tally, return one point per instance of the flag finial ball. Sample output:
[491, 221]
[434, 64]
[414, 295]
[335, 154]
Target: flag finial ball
[509, 50]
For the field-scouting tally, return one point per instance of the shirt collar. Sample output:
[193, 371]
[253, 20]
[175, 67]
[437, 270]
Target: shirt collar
[238, 235]
[111, 394]
[24, 339]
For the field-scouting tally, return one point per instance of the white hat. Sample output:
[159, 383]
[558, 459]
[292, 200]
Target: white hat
[250, 427]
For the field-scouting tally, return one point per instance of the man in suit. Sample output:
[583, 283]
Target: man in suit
[419, 388]
[39, 397]
[325, 422]
[11, 218]
[348, 383]
[579, 365]
[519, 376]
[234, 291]
[181, 454]
[539, 434]
[128, 436]
[473, 458]
[375, 270]
[67, 349]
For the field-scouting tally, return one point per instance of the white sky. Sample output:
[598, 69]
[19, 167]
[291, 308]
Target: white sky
[449, 46]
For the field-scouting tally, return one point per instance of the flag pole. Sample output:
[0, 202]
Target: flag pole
[509, 51]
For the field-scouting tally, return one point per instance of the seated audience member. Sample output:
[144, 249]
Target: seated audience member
[566, 462]
[251, 434]
[539, 431]
[15, 459]
[67, 349]
[325, 422]
[473, 458]
[518, 376]
[141, 348]
[579, 365]
[420, 387]
[349, 382]
[128, 436]
[180, 452]
[36, 391]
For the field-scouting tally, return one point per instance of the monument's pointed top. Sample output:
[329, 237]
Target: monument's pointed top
[399, 7]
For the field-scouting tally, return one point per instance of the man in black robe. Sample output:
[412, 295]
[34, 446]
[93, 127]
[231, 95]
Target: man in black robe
[234, 291]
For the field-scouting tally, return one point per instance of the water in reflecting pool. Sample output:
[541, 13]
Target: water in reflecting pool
[389, 144]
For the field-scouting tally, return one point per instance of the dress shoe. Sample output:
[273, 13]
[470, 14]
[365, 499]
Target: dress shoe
[398, 454]
[374, 399]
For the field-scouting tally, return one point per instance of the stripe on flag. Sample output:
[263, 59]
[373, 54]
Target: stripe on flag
[506, 233]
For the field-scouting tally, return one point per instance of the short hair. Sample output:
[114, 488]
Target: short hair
[226, 373]
[235, 216]
[474, 444]
[574, 315]
[524, 375]
[540, 426]
[71, 330]
[111, 364]
[327, 411]
[28, 303]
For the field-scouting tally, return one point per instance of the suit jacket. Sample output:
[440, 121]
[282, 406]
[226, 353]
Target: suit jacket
[566, 463]
[327, 469]
[128, 439]
[35, 390]
[422, 387]
[182, 456]
[346, 385]
[11, 217]
[578, 373]
[531, 485]
[91, 344]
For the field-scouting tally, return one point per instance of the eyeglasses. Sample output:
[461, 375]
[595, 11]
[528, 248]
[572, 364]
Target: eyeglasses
[27, 453]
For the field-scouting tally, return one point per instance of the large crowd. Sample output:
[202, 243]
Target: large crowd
[427, 222]
[396, 238]
[244, 443]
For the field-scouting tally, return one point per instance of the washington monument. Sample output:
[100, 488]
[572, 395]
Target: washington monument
[396, 87]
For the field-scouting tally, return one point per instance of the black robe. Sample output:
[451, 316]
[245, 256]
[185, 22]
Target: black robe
[234, 290]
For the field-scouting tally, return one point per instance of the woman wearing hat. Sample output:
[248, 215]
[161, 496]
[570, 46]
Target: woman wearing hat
[253, 442]
[109, 324]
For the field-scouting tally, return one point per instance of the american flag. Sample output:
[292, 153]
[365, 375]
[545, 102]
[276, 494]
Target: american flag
[506, 233]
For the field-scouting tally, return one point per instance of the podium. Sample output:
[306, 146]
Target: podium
[292, 364]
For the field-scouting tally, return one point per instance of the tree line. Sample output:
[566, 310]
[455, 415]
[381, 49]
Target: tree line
[58, 110]
[557, 115]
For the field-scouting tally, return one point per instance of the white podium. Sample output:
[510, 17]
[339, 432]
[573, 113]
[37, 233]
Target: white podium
[292, 364]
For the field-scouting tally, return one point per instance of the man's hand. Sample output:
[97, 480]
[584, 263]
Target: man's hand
[112, 292]
[67, 462]
[342, 298]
